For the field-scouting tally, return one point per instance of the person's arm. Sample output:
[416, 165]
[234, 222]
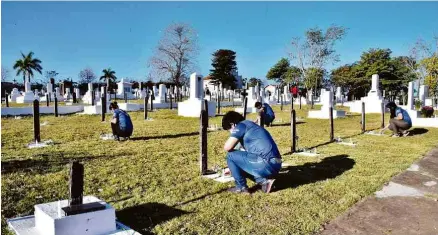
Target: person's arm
[399, 116]
[260, 113]
[114, 119]
[230, 144]
[385, 128]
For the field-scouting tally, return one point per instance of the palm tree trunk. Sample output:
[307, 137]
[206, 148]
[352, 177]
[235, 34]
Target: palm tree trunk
[107, 84]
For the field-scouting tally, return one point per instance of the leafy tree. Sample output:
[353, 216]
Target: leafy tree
[86, 76]
[431, 79]
[26, 65]
[175, 54]
[254, 81]
[109, 76]
[293, 75]
[315, 78]
[278, 71]
[316, 51]
[224, 62]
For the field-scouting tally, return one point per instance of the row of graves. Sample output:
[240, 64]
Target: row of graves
[88, 214]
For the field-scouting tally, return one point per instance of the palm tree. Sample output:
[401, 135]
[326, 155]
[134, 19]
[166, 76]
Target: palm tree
[109, 76]
[26, 65]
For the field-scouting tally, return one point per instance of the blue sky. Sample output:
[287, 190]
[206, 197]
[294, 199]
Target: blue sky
[69, 36]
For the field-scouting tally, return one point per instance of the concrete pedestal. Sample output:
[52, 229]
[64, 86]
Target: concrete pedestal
[49, 219]
[28, 97]
[193, 107]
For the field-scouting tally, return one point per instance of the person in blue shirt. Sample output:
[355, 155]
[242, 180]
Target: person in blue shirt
[399, 121]
[121, 123]
[258, 155]
[266, 111]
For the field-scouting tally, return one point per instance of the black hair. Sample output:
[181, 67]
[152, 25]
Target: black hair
[230, 118]
[391, 106]
[113, 105]
[257, 104]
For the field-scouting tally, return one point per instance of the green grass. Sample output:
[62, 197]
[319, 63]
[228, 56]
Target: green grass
[153, 180]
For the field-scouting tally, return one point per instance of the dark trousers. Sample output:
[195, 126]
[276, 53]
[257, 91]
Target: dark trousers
[118, 132]
[398, 125]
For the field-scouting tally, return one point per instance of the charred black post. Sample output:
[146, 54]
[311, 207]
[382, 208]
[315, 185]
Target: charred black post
[36, 121]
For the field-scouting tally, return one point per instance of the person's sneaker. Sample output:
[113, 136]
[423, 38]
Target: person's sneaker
[267, 185]
[116, 138]
[405, 133]
[238, 190]
[395, 135]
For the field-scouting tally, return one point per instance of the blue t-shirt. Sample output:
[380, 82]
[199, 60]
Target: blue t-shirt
[255, 140]
[125, 123]
[269, 113]
[405, 114]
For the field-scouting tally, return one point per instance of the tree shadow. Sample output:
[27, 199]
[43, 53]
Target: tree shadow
[418, 131]
[45, 165]
[328, 168]
[143, 218]
[165, 136]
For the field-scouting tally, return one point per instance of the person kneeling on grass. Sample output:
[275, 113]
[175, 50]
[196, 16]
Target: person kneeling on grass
[121, 123]
[399, 121]
[260, 158]
[266, 111]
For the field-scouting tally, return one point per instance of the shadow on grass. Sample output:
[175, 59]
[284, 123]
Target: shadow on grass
[417, 131]
[165, 136]
[45, 165]
[328, 168]
[143, 218]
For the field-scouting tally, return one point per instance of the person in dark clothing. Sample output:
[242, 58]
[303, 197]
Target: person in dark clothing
[121, 123]
[399, 121]
[260, 157]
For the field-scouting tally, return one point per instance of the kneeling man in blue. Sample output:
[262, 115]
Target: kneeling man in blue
[266, 111]
[121, 123]
[260, 157]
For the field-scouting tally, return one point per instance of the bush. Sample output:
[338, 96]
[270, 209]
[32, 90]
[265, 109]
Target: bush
[427, 111]
[418, 104]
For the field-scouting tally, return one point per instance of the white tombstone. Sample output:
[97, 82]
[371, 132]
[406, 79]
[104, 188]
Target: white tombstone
[14, 94]
[373, 100]
[327, 103]
[338, 94]
[286, 94]
[411, 96]
[67, 95]
[59, 97]
[257, 91]
[262, 96]
[193, 106]
[375, 92]
[423, 94]
[28, 96]
[78, 93]
[87, 97]
[143, 93]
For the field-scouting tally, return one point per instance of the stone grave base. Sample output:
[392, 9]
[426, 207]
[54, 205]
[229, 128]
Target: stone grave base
[49, 219]
[307, 153]
[248, 110]
[28, 97]
[41, 144]
[325, 114]
[192, 108]
[96, 109]
[220, 177]
[371, 105]
[373, 133]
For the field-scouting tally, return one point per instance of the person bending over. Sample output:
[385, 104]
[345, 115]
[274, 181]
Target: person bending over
[121, 123]
[399, 121]
[260, 157]
[266, 111]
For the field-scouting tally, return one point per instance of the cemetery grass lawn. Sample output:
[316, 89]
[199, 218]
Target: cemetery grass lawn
[153, 180]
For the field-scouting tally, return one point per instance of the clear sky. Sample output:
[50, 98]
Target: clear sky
[69, 36]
